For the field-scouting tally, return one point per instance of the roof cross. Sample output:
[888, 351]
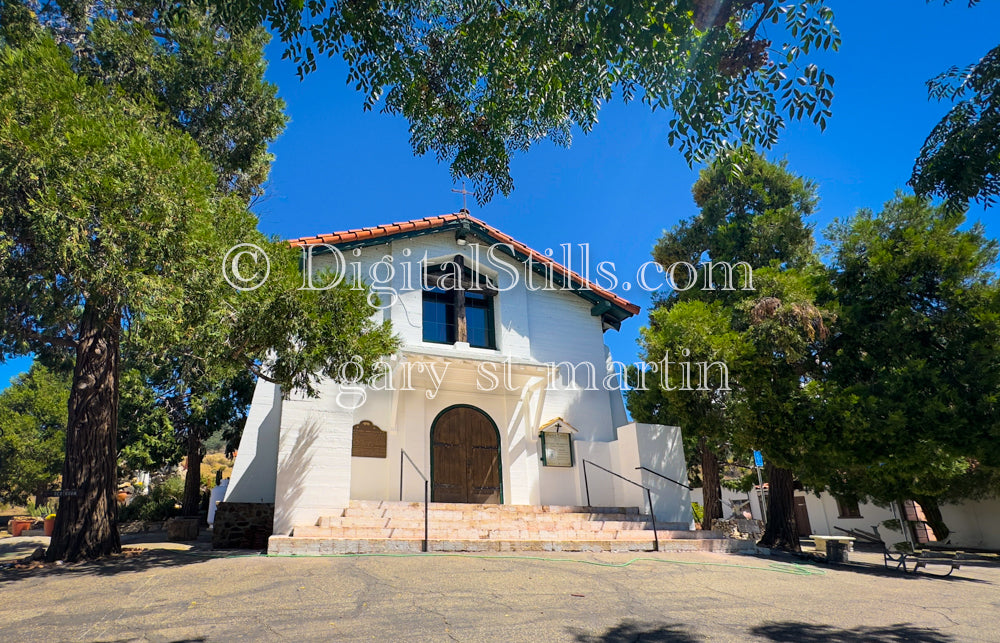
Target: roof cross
[465, 193]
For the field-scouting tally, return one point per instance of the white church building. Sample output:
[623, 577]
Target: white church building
[502, 393]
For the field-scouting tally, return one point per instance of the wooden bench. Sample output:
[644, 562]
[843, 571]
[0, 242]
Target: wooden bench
[821, 542]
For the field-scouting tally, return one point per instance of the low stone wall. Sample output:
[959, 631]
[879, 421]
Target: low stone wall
[739, 528]
[242, 525]
[139, 526]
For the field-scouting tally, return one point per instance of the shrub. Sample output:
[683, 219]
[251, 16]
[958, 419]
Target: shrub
[699, 513]
[148, 508]
[172, 488]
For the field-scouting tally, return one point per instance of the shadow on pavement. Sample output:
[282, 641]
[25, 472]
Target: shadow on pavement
[131, 561]
[632, 631]
[870, 569]
[793, 632]
[200, 639]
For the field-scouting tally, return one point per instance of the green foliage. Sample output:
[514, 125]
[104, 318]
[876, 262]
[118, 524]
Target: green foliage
[146, 438]
[215, 442]
[98, 201]
[481, 81]
[32, 432]
[113, 221]
[160, 504]
[755, 216]
[766, 336]
[36, 510]
[960, 160]
[171, 488]
[148, 508]
[751, 210]
[209, 82]
[916, 358]
[697, 512]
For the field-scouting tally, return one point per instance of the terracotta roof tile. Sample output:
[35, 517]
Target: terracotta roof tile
[428, 223]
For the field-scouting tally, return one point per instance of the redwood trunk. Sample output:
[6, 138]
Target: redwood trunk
[711, 487]
[780, 532]
[86, 523]
[192, 481]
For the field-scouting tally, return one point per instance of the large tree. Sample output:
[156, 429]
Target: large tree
[782, 330]
[113, 224]
[915, 356]
[763, 325]
[699, 403]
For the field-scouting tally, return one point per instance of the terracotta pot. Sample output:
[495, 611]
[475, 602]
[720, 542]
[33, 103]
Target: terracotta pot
[122, 496]
[17, 525]
[50, 524]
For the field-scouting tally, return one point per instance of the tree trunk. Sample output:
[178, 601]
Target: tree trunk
[86, 523]
[780, 532]
[711, 487]
[192, 481]
[933, 514]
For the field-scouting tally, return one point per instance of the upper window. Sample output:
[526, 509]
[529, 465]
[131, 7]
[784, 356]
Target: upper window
[458, 305]
[439, 316]
[479, 320]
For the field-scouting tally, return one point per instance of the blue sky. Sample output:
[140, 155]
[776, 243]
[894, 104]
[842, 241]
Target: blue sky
[619, 187]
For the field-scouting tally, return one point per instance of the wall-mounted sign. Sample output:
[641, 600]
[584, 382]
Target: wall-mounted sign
[368, 441]
[557, 449]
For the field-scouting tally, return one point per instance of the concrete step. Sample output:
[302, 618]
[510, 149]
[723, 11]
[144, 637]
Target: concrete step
[458, 506]
[359, 518]
[374, 524]
[470, 532]
[316, 546]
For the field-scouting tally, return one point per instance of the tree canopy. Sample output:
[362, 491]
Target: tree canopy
[480, 81]
[915, 355]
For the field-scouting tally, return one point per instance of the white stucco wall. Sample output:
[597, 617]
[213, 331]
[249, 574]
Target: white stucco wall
[661, 449]
[974, 523]
[314, 461]
[255, 468]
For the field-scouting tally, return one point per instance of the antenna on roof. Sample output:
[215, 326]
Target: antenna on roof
[465, 193]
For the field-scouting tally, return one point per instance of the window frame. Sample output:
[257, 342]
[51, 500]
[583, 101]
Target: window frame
[441, 297]
[848, 508]
[436, 279]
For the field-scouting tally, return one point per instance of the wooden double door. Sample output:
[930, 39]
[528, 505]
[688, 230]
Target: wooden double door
[465, 452]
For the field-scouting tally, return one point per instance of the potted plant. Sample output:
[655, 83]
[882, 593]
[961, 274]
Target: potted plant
[19, 524]
[50, 524]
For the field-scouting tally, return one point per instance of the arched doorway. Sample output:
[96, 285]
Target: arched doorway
[465, 457]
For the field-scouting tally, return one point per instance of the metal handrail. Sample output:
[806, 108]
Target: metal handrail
[669, 479]
[649, 498]
[404, 454]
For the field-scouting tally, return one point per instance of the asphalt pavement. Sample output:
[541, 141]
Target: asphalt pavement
[183, 593]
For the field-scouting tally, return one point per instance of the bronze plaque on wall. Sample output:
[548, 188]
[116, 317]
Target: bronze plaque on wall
[368, 441]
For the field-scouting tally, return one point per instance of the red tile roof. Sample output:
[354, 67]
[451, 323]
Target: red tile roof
[439, 221]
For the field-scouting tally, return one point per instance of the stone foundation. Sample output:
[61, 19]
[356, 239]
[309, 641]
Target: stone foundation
[182, 529]
[739, 528]
[242, 525]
